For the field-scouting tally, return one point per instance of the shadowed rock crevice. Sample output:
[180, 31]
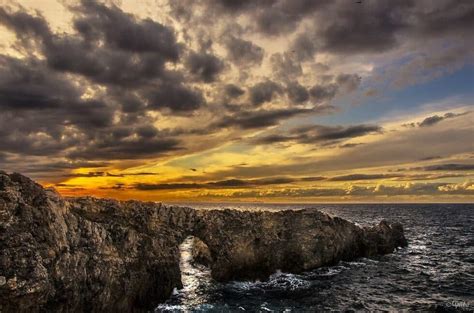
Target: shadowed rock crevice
[201, 253]
[87, 254]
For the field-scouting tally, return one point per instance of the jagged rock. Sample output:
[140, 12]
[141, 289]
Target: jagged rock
[200, 252]
[94, 255]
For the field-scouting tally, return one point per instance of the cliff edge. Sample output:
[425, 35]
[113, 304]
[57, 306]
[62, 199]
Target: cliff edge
[94, 255]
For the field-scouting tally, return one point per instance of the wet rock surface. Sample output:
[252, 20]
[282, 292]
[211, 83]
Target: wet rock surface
[87, 254]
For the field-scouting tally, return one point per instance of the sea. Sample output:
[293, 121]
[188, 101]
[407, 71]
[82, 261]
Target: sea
[435, 273]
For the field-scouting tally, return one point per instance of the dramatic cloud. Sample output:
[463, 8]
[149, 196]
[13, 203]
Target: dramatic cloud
[233, 91]
[297, 93]
[371, 27]
[104, 149]
[447, 167]
[243, 52]
[120, 30]
[284, 16]
[322, 93]
[175, 96]
[107, 174]
[436, 118]
[259, 119]
[362, 177]
[27, 85]
[304, 47]
[264, 92]
[205, 66]
[320, 134]
[225, 184]
[92, 91]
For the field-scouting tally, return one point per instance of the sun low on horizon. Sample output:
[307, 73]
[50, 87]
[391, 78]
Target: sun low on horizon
[240, 101]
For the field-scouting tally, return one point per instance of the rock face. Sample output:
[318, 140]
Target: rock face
[201, 253]
[94, 255]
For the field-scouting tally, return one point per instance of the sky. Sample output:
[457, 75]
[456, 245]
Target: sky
[223, 101]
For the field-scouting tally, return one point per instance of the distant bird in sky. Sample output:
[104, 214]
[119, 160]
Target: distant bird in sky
[193, 169]
[360, 1]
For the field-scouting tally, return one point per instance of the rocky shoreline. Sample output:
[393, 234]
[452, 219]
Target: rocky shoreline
[95, 255]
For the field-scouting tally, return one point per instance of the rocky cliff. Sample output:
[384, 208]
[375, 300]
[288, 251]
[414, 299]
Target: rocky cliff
[94, 255]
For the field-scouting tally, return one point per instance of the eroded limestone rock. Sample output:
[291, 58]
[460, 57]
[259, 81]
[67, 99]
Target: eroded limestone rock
[201, 253]
[95, 255]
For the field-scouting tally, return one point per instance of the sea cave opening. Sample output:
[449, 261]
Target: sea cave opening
[196, 277]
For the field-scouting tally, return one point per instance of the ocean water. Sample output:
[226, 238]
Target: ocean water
[435, 273]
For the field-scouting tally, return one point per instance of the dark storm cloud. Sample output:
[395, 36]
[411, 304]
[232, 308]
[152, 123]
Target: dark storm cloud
[175, 96]
[347, 27]
[111, 47]
[320, 134]
[176, 186]
[350, 145]
[448, 167]
[243, 52]
[377, 26]
[370, 27]
[107, 174]
[237, 7]
[414, 177]
[25, 25]
[447, 17]
[297, 93]
[27, 84]
[147, 131]
[226, 184]
[124, 67]
[51, 169]
[21, 143]
[44, 113]
[303, 47]
[322, 93]
[259, 119]
[108, 148]
[122, 142]
[264, 92]
[129, 102]
[62, 165]
[91, 113]
[133, 55]
[353, 177]
[348, 82]
[342, 27]
[104, 66]
[120, 30]
[284, 15]
[233, 91]
[341, 84]
[435, 157]
[271, 17]
[431, 120]
[205, 66]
